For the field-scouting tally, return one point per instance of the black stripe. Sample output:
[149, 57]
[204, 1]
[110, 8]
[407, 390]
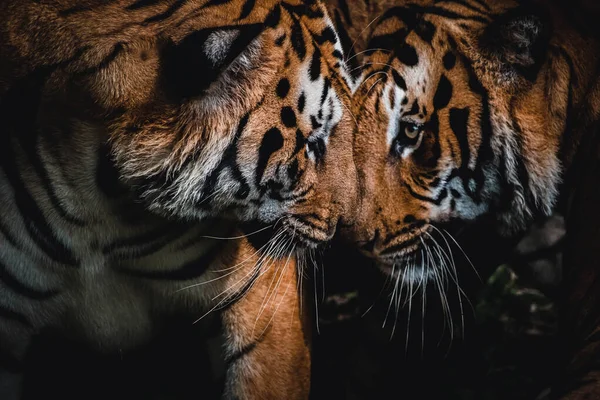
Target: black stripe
[425, 30]
[213, 226]
[11, 315]
[146, 244]
[437, 201]
[212, 3]
[167, 14]
[305, 219]
[5, 231]
[399, 80]
[190, 270]
[52, 142]
[421, 183]
[315, 65]
[35, 223]
[485, 153]
[247, 8]
[73, 10]
[484, 4]
[288, 117]
[16, 286]
[140, 240]
[243, 291]
[343, 4]
[188, 72]
[414, 109]
[450, 14]
[244, 351]
[30, 144]
[228, 160]
[117, 49]
[272, 141]
[346, 41]
[413, 225]
[404, 14]
[304, 10]
[459, 120]
[18, 109]
[443, 93]
[297, 39]
[401, 246]
[471, 7]
[142, 4]
[386, 42]
[273, 19]
[327, 35]
[300, 143]
[326, 87]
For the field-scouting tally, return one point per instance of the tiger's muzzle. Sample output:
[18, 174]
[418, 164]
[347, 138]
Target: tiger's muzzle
[309, 230]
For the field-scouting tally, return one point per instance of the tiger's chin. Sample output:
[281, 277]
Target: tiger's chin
[428, 255]
[288, 234]
[409, 268]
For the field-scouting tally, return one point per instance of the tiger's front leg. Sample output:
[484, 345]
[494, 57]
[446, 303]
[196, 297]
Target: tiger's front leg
[267, 337]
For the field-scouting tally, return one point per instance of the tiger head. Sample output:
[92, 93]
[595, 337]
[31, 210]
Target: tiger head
[232, 109]
[460, 114]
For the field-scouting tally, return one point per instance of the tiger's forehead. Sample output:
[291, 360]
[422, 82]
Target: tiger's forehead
[65, 26]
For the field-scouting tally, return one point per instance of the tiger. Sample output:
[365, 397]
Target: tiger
[478, 112]
[170, 156]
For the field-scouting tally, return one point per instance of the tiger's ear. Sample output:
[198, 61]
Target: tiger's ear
[518, 39]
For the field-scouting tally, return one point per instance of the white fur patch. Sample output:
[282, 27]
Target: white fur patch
[218, 43]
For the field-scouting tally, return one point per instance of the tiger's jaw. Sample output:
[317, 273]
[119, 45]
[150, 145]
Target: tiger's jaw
[309, 231]
[418, 252]
[393, 253]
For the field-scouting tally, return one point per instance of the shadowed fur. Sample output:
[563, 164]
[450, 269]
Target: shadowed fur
[169, 155]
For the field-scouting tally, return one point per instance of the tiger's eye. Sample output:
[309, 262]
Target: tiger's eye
[412, 130]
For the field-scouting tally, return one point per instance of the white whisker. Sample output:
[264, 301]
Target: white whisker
[237, 237]
[275, 290]
[464, 254]
[231, 296]
[364, 51]
[371, 63]
[409, 313]
[232, 269]
[371, 76]
[267, 297]
[361, 32]
[423, 302]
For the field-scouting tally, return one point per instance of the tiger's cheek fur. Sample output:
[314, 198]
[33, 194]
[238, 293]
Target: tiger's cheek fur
[490, 124]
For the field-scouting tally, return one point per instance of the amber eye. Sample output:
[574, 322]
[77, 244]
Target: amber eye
[412, 130]
[408, 137]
